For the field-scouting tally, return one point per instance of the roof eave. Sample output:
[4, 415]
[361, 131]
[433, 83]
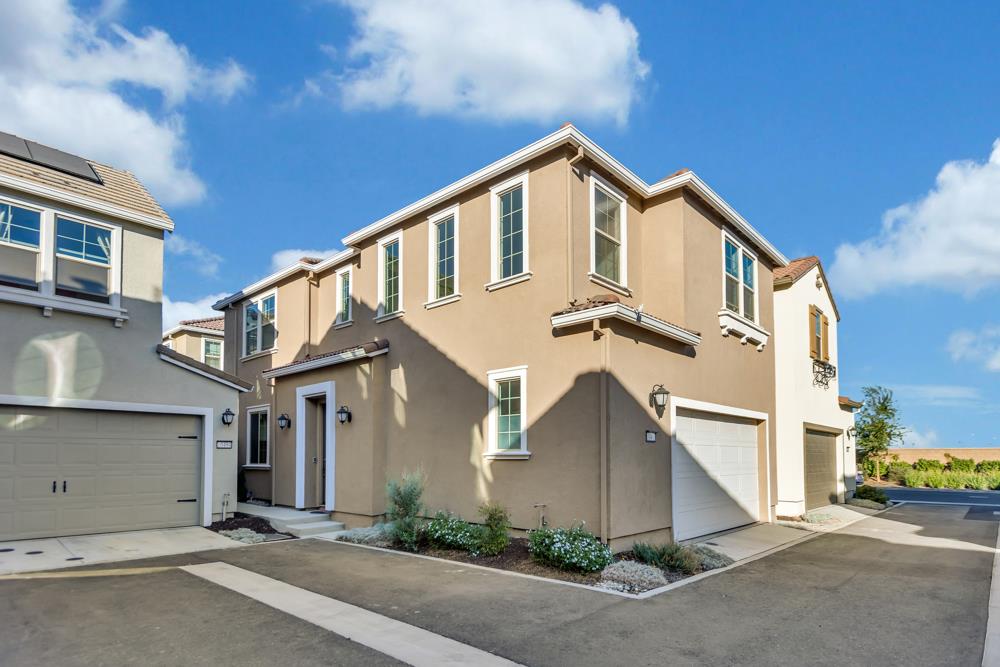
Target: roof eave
[281, 274]
[626, 314]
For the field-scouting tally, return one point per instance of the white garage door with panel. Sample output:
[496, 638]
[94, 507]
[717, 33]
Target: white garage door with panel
[75, 472]
[714, 473]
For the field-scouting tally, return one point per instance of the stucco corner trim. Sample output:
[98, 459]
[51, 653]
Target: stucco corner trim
[626, 314]
[731, 324]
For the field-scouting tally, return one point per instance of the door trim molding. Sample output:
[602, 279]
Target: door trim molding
[327, 389]
[207, 429]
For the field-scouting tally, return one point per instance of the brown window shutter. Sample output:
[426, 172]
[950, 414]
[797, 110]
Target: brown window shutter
[813, 352]
[826, 338]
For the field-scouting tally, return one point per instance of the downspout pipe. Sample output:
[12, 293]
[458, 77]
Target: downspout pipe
[569, 222]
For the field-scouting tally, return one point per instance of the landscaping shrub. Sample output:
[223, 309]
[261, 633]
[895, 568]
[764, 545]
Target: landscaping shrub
[988, 466]
[632, 577]
[404, 509]
[866, 492]
[992, 479]
[960, 465]
[897, 470]
[934, 479]
[668, 556]
[928, 465]
[868, 467]
[861, 502]
[710, 558]
[914, 478]
[447, 531]
[492, 535]
[573, 548]
[378, 535]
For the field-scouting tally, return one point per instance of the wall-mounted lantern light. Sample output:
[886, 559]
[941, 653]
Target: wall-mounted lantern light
[852, 433]
[227, 417]
[344, 414]
[659, 396]
[284, 421]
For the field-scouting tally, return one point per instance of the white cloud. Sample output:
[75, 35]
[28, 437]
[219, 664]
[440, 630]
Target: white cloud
[949, 239]
[175, 311]
[500, 60]
[981, 347]
[941, 395]
[76, 82]
[914, 438]
[197, 257]
[283, 258]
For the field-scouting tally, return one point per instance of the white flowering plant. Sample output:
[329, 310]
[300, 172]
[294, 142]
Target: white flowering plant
[573, 548]
[448, 531]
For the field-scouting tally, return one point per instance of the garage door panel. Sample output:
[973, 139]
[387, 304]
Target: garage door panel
[820, 469]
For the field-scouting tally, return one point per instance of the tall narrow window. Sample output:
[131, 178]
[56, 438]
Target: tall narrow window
[257, 437]
[511, 233]
[732, 276]
[20, 236]
[749, 294]
[212, 352]
[740, 276]
[259, 325]
[344, 296]
[509, 414]
[83, 260]
[390, 269]
[444, 258]
[608, 231]
[819, 334]
[507, 421]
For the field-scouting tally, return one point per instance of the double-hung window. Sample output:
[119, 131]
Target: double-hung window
[509, 244]
[507, 427]
[259, 324]
[20, 246]
[608, 232]
[258, 436]
[390, 271]
[83, 260]
[211, 352]
[740, 276]
[343, 296]
[443, 256]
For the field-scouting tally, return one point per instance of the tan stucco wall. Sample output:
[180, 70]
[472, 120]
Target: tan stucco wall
[910, 455]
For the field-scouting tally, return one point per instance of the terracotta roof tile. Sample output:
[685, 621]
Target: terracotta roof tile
[310, 260]
[369, 347]
[215, 323]
[848, 402]
[606, 300]
[796, 269]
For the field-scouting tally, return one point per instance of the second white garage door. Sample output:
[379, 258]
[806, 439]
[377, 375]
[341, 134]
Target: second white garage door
[714, 473]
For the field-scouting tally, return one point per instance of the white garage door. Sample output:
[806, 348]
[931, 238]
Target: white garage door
[74, 472]
[714, 473]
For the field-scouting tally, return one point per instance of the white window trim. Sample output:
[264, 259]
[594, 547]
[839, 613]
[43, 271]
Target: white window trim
[613, 192]
[492, 377]
[496, 282]
[260, 325]
[222, 350]
[726, 236]
[380, 314]
[252, 410]
[432, 300]
[349, 320]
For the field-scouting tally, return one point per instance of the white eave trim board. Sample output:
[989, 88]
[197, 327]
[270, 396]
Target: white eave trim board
[322, 362]
[264, 283]
[626, 314]
[200, 330]
[198, 371]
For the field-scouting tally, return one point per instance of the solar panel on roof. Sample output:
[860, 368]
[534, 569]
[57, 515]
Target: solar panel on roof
[47, 157]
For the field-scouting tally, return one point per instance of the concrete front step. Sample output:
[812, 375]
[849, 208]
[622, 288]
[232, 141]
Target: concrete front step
[313, 528]
[300, 523]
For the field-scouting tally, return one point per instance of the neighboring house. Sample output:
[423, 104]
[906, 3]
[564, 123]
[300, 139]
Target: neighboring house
[816, 457]
[202, 339]
[512, 335]
[101, 428]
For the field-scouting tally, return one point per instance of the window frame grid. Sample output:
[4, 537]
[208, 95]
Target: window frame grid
[204, 355]
[494, 378]
[433, 222]
[259, 301]
[497, 191]
[342, 306]
[383, 243]
[255, 410]
[741, 252]
[597, 182]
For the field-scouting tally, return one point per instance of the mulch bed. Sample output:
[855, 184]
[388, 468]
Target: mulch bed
[240, 520]
[515, 558]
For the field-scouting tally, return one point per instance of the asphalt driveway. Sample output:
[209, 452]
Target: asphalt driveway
[908, 586]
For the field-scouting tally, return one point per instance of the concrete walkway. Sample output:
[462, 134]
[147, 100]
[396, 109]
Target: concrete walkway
[61, 552]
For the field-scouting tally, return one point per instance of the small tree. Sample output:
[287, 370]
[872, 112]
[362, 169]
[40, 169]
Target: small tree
[878, 426]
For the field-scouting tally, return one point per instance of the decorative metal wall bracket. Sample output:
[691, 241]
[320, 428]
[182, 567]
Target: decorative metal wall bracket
[823, 372]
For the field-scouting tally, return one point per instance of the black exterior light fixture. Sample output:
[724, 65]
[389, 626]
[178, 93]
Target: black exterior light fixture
[227, 417]
[284, 421]
[344, 414]
[658, 398]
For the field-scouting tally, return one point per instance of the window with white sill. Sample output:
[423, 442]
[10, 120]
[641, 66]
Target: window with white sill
[740, 276]
[20, 246]
[507, 420]
[343, 296]
[258, 436]
[259, 325]
[608, 232]
[211, 352]
[443, 255]
[509, 227]
[390, 271]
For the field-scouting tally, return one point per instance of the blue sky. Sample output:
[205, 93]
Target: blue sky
[861, 132]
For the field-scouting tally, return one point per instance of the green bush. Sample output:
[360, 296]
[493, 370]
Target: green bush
[493, 537]
[897, 470]
[915, 478]
[573, 548]
[988, 466]
[935, 479]
[448, 531]
[928, 465]
[405, 508]
[866, 492]
[960, 465]
[668, 556]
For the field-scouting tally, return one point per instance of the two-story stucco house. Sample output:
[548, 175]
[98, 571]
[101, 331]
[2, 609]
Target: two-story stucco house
[101, 428]
[551, 332]
[202, 339]
[816, 458]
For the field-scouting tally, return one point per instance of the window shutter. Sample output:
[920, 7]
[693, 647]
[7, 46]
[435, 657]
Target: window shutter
[826, 338]
[813, 352]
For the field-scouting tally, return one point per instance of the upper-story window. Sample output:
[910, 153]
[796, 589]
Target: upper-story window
[443, 256]
[819, 334]
[259, 324]
[390, 270]
[344, 314]
[509, 244]
[211, 352]
[83, 260]
[740, 268]
[20, 244]
[608, 231]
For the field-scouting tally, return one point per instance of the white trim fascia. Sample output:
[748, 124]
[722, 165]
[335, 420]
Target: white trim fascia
[330, 452]
[570, 134]
[198, 371]
[198, 330]
[323, 362]
[388, 239]
[262, 284]
[65, 304]
[443, 301]
[252, 410]
[450, 212]
[492, 377]
[511, 183]
[627, 314]
[82, 201]
[507, 282]
[207, 429]
[610, 190]
[732, 324]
